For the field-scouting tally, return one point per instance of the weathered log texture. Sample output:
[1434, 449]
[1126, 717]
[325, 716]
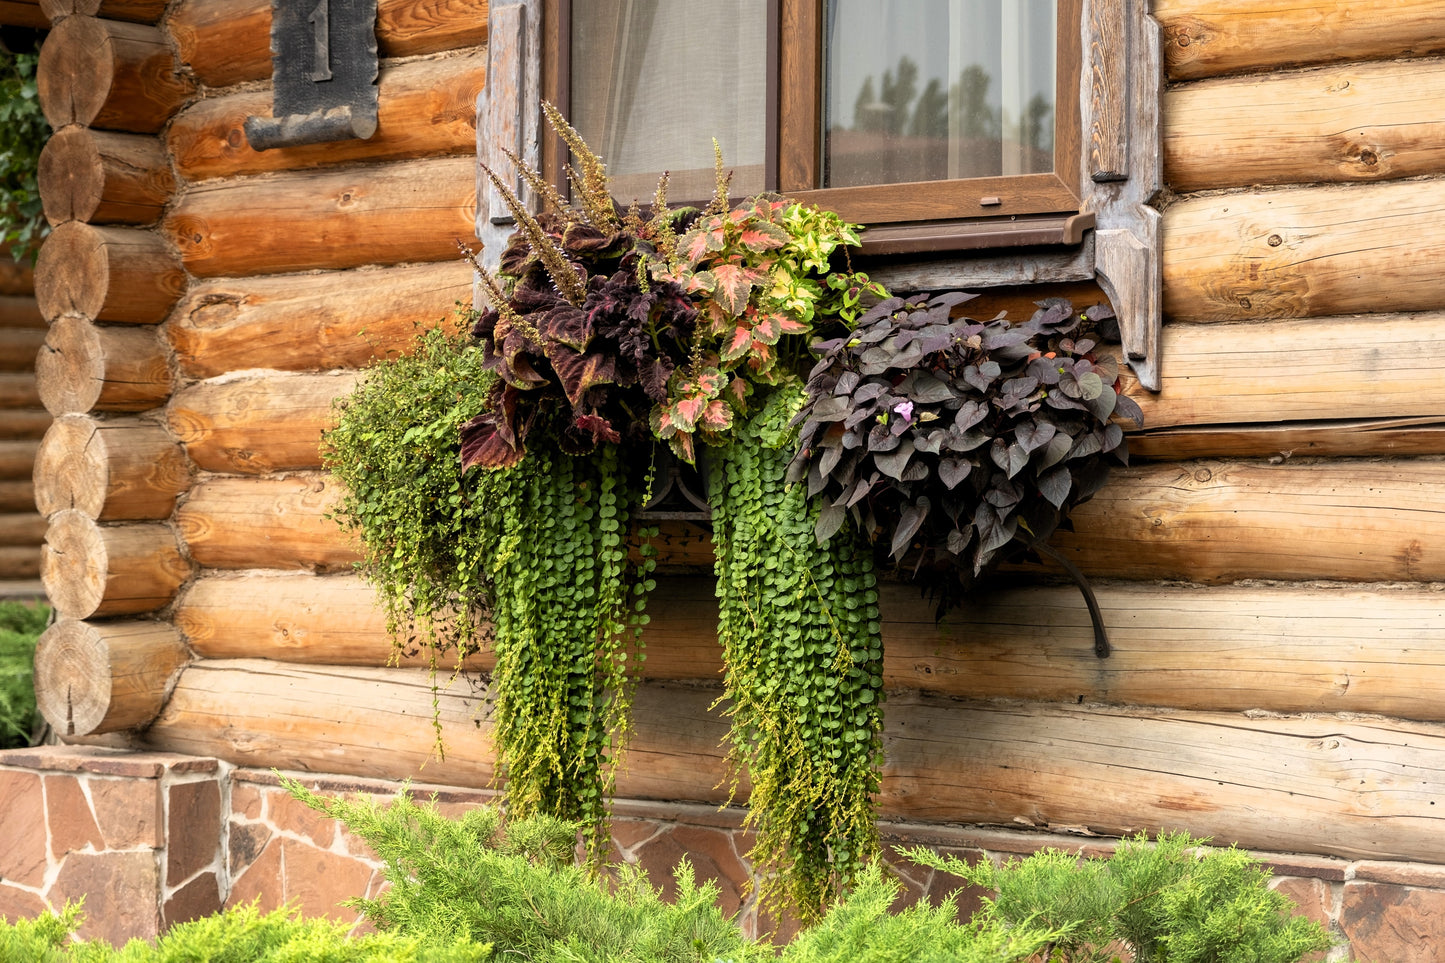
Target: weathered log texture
[1362, 122]
[427, 109]
[266, 523]
[18, 347]
[1204, 38]
[20, 311]
[17, 458]
[1221, 522]
[1381, 366]
[1282, 649]
[313, 321]
[87, 367]
[23, 13]
[22, 528]
[268, 423]
[94, 570]
[16, 277]
[1336, 439]
[227, 42]
[107, 274]
[17, 390]
[24, 424]
[104, 178]
[134, 11]
[109, 470]
[19, 562]
[109, 74]
[17, 496]
[408, 211]
[1266, 783]
[91, 679]
[1305, 252]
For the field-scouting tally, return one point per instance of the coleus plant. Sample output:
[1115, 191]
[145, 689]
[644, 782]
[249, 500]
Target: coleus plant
[607, 326]
[962, 441]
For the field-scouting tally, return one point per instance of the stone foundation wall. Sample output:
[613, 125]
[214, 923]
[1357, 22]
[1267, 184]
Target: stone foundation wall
[152, 839]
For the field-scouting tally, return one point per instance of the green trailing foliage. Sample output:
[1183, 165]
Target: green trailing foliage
[540, 550]
[800, 630]
[1170, 901]
[22, 134]
[968, 442]
[20, 626]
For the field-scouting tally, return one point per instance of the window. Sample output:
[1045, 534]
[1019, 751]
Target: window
[983, 142]
[957, 118]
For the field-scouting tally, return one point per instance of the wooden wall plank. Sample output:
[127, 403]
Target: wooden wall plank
[1306, 252]
[228, 42]
[23, 13]
[281, 523]
[314, 321]
[1264, 783]
[20, 311]
[427, 109]
[1336, 439]
[1360, 122]
[1281, 649]
[1204, 38]
[403, 212]
[257, 425]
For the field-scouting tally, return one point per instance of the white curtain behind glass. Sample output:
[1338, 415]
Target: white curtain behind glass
[654, 81]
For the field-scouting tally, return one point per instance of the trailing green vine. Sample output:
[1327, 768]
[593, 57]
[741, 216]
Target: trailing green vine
[800, 631]
[22, 133]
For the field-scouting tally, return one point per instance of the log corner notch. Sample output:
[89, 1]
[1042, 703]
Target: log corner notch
[109, 677]
[1121, 90]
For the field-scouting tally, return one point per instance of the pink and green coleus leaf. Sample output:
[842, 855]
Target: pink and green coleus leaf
[760, 236]
[733, 284]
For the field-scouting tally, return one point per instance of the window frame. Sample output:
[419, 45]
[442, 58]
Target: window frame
[950, 214]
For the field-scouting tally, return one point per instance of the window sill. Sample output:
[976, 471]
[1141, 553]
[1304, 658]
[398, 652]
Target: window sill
[1048, 230]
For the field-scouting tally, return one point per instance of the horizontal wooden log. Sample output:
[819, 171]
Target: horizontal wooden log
[18, 347]
[17, 278]
[227, 42]
[1361, 122]
[1280, 649]
[427, 109]
[104, 178]
[109, 74]
[402, 212]
[1336, 439]
[17, 390]
[133, 11]
[24, 424]
[1298, 370]
[22, 528]
[17, 459]
[342, 319]
[87, 367]
[23, 13]
[90, 570]
[1305, 252]
[17, 496]
[257, 425]
[21, 312]
[19, 562]
[109, 677]
[1205, 38]
[107, 274]
[1264, 783]
[238, 523]
[1211, 522]
[122, 469]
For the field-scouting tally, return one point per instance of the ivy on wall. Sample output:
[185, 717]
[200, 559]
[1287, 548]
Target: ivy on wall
[22, 134]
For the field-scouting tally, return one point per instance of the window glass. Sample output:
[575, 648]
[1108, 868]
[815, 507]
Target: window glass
[654, 81]
[937, 90]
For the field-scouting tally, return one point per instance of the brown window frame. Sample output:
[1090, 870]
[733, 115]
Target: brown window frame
[927, 216]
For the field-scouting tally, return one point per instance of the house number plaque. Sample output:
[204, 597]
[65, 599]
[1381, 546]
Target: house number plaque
[323, 66]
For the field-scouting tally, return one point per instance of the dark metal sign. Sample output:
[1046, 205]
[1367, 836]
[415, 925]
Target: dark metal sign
[323, 56]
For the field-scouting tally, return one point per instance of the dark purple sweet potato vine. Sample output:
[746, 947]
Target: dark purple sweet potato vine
[966, 441]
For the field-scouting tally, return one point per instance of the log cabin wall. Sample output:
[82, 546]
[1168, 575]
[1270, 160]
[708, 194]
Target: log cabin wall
[22, 424]
[1269, 569]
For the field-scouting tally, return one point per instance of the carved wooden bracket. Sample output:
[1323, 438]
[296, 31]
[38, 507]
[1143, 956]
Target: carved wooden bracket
[324, 67]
